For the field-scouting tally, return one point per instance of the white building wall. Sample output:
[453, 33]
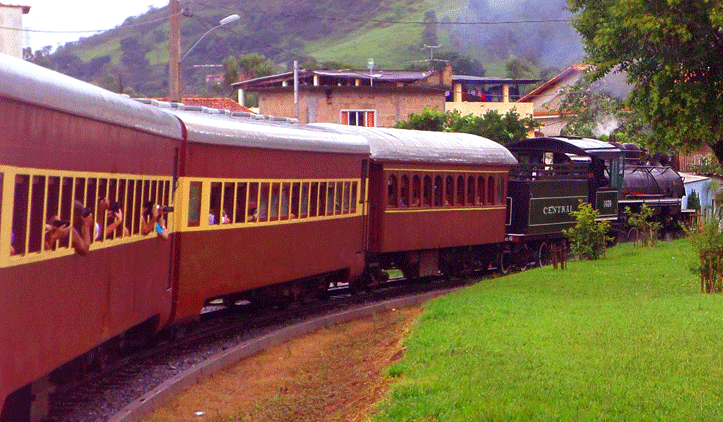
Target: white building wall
[11, 40]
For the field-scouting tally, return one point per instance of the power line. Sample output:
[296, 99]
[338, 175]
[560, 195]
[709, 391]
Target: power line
[87, 31]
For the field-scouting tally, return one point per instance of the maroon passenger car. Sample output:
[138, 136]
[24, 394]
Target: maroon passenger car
[270, 212]
[437, 200]
[68, 151]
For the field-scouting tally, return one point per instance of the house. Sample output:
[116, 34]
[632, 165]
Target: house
[704, 187]
[378, 97]
[11, 29]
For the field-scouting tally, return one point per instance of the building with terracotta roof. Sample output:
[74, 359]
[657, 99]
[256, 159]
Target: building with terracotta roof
[11, 29]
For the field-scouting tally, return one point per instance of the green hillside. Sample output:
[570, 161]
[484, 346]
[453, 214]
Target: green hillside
[393, 32]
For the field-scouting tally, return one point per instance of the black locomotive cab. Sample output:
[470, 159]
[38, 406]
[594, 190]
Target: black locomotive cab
[554, 174]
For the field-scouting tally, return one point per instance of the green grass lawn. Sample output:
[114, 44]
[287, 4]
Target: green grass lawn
[626, 338]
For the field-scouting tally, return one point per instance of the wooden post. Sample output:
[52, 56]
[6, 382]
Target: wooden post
[702, 274]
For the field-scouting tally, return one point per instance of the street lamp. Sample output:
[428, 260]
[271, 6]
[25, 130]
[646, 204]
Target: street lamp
[222, 22]
[174, 68]
[370, 64]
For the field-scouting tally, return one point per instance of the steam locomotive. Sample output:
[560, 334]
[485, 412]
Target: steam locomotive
[121, 218]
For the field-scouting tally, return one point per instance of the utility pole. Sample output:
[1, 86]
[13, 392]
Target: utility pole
[431, 50]
[174, 52]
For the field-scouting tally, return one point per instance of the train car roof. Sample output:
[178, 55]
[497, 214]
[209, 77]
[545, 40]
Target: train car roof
[568, 145]
[23, 81]
[387, 144]
[253, 133]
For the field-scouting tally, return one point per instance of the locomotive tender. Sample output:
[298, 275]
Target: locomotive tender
[120, 219]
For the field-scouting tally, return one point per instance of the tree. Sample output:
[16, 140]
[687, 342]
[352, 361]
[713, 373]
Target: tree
[670, 51]
[493, 125]
[429, 32]
[255, 65]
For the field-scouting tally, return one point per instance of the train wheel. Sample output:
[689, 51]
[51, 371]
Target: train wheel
[505, 261]
[544, 255]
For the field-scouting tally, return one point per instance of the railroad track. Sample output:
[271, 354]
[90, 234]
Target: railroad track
[100, 395]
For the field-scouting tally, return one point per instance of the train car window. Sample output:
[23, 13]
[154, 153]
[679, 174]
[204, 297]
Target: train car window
[339, 194]
[460, 191]
[322, 200]
[2, 175]
[167, 193]
[481, 190]
[427, 198]
[122, 200]
[491, 190]
[285, 198]
[352, 202]
[37, 222]
[438, 191]
[138, 206]
[20, 214]
[449, 191]
[416, 190]
[392, 191]
[194, 203]
[127, 204]
[239, 207]
[214, 206]
[153, 193]
[146, 194]
[101, 218]
[330, 205]
[313, 199]
[347, 193]
[264, 202]
[295, 204]
[304, 210]
[404, 191]
[470, 190]
[228, 202]
[52, 205]
[275, 203]
[253, 206]
[500, 189]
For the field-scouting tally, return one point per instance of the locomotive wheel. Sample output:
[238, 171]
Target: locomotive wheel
[505, 261]
[544, 255]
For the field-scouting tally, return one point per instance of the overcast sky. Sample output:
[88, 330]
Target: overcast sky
[63, 17]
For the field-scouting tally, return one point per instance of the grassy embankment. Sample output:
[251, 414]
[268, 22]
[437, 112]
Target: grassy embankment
[627, 338]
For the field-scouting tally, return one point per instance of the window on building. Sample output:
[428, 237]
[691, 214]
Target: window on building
[359, 118]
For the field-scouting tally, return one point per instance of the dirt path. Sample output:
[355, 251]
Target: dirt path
[335, 374]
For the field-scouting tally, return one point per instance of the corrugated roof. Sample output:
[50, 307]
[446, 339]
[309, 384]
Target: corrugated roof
[212, 102]
[491, 80]
[403, 145]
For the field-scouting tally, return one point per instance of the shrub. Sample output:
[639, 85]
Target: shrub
[707, 240]
[646, 228]
[589, 237]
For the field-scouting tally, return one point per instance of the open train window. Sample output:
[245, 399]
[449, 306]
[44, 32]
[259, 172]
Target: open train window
[491, 190]
[37, 222]
[275, 203]
[404, 191]
[214, 205]
[427, 198]
[313, 199]
[285, 197]
[330, 208]
[295, 210]
[438, 191]
[241, 212]
[449, 191]
[194, 204]
[322, 200]
[500, 189]
[481, 190]
[138, 206]
[347, 193]
[20, 214]
[264, 202]
[229, 190]
[460, 191]
[304, 210]
[352, 202]
[338, 195]
[392, 191]
[470, 190]
[416, 191]
[253, 206]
